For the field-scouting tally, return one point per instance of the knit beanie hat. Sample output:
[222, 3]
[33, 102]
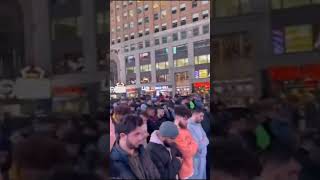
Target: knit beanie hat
[168, 129]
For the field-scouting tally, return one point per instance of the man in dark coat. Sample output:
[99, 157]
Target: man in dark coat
[163, 152]
[128, 158]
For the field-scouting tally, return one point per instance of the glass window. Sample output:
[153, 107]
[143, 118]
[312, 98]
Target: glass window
[139, 10]
[181, 62]
[155, 5]
[183, 34]
[161, 52]
[140, 21]
[162, 65]
[299, 38]
[175, 37]
[118, 18]
[131, 24]
[156, 16]
[132, 47]
[205, 14]
[164, 39]
[145, 68]
[146, 20]
[162, 77]
[156, 41]
[125, 14]
[156, 29]
[194, 4]
[147, 32]
[163, 13]
[180, 48]
[147, 43]
[174, 24]
[126, 48]
[144, 55]
[140, 34]
[196, 31]
[205, 29]
[140, 45]
[195, 17]
[164, 27]
[183, 21]
[131, 70]
[146, 7]
[131, 13]
[130, 59]
[182, 7]
[174, 10]
[203, 59]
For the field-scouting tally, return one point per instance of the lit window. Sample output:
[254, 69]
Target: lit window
[145, 68]
[202, 73]
[203, 59]
[162, 65]
[131, 70]
[181, 62]
[163, 13]
[131, 13]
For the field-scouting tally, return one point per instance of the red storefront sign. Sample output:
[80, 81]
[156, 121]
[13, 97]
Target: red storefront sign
[310, 71]
[205, 85]
[68, 91]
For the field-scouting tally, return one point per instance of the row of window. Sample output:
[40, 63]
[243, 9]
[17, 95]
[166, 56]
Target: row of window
[179, 77]
[203, 59]
[156, 27]
[145, 8]
[164, 39]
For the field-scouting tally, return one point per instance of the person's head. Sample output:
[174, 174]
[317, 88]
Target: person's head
[120, 111]
[184, 101]
[167, 133]
[131, 132]
[197, 115]
[151, 111]
[182, 114]
[279, 163]
[160, 112]
[233, 162]
[144, 116]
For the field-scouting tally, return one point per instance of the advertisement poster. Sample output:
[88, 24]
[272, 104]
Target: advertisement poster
[299, 38]
[203, 73]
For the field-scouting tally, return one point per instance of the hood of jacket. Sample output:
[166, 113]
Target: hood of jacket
[155, 139]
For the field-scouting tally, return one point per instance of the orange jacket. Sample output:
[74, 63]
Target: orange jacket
[188, 148]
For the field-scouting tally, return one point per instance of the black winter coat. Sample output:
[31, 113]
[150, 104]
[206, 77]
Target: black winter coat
[167, 167]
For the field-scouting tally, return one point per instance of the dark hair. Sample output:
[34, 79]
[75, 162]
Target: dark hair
[122, 109]
[197, 110]
[182, 111]
[128, 124]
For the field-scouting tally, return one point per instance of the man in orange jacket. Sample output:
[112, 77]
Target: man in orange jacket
[185, 142]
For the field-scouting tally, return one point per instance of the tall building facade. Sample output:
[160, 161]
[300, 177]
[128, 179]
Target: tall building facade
[164, 46]
[264, 47]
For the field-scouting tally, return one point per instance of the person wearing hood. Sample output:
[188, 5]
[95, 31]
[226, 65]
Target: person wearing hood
[198, 133]
[163, 152]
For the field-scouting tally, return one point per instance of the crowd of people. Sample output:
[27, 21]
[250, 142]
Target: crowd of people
[160, 138]
[54, 148]
[271, 139]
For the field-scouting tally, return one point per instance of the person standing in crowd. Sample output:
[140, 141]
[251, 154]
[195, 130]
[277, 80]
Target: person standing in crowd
[194, 126]
[185, 142]
[118, 113]
[163, 152]
[129, 159]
